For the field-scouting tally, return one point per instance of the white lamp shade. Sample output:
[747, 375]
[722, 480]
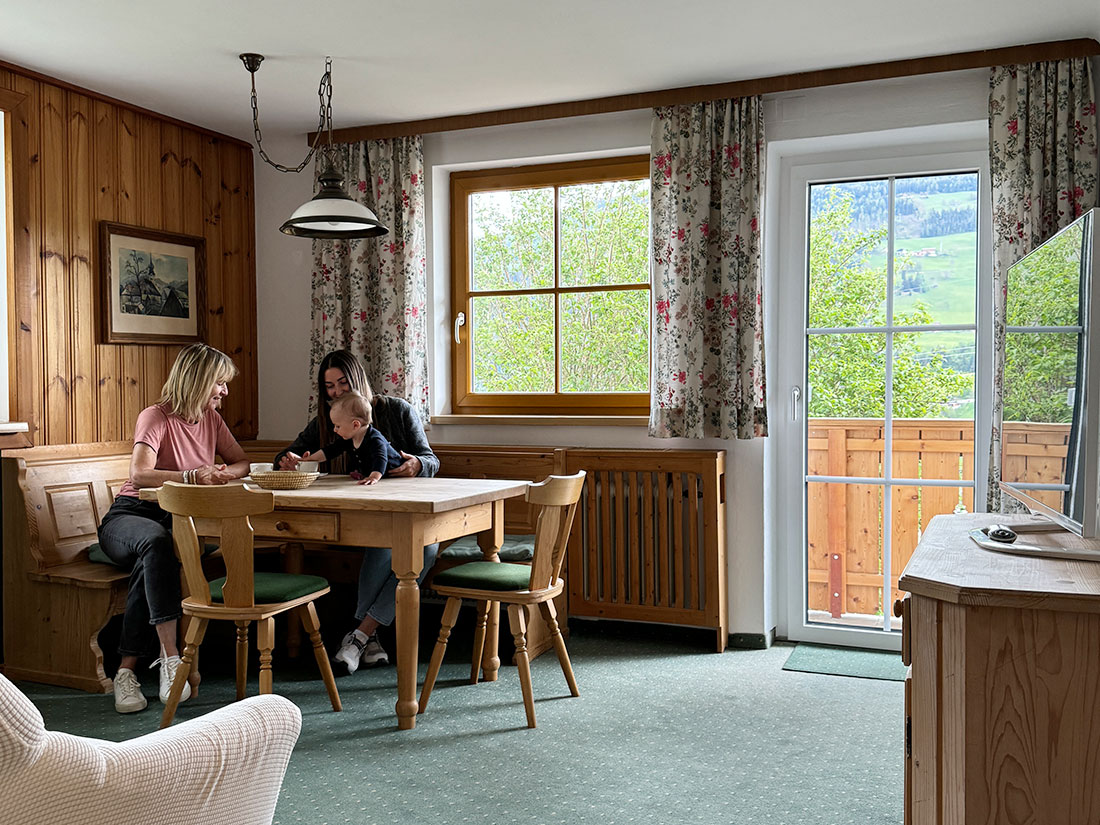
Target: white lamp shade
[333, 218]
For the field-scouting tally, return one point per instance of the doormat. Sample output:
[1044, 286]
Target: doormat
[846, 661]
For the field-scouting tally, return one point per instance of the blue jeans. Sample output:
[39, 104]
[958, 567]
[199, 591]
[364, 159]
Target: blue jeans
[136, 536]
[378, 584]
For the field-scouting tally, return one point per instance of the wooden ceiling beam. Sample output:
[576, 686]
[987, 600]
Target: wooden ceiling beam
[1033, 53]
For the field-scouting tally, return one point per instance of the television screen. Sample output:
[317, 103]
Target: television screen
[1050, 430]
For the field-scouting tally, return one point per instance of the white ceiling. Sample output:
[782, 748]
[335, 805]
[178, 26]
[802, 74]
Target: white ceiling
[395, 61]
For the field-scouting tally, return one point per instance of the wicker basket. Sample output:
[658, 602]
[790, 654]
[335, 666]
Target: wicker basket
[284, 479]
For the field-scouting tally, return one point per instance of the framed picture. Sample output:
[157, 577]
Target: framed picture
[153, 285]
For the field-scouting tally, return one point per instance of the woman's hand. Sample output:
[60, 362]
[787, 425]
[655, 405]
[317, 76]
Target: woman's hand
[409, 469]
[289, 461]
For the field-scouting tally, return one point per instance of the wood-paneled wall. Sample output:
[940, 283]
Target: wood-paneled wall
[77, 158]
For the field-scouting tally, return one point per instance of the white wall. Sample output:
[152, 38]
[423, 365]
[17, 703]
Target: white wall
[283, 272]
[574, 139]
[283, 265]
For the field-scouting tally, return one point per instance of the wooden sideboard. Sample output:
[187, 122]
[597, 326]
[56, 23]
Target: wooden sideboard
[1003, 694]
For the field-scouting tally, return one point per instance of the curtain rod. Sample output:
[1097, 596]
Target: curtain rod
[1032, 53]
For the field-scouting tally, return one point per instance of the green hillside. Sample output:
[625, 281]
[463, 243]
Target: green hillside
[949, 276]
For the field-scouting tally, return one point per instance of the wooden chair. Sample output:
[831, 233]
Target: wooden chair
[243, 595]
[517, 585]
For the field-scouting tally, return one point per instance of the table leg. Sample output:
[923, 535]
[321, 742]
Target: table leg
[490, 542]
[408, 560]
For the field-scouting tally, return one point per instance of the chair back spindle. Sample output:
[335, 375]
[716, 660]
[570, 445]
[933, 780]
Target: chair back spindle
[557, 497]
[189, 550]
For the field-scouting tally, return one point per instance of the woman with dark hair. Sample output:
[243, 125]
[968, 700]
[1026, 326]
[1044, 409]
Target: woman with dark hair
[176, 439]
[340, 371]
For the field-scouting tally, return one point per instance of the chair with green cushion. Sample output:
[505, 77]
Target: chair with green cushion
[242, 595]
[518, 585]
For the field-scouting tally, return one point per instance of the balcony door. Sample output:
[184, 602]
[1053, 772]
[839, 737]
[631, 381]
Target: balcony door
[880, 357]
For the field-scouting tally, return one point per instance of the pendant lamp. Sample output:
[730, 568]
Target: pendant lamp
[331, 214]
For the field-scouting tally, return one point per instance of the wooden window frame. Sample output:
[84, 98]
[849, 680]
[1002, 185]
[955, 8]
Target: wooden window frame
[464, 400]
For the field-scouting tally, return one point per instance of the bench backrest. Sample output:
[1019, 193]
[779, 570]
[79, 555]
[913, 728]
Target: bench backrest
[524, 463]
[67, 489]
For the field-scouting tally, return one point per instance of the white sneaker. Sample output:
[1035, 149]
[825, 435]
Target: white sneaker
[128, 697]
[351, 648]
[373, 655]
[168, 667]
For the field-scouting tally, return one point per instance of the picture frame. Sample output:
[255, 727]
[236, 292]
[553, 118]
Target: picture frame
[153, 285]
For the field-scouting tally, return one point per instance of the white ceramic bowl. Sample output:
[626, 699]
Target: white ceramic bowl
[309, 466]
[260, 468]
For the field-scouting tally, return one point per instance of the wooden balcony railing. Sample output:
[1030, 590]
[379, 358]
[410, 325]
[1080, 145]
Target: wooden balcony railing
[845, 521]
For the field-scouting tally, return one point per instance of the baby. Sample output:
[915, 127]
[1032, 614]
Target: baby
[371, 455]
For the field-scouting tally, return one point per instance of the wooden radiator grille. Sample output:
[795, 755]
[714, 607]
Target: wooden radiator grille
[648, 541]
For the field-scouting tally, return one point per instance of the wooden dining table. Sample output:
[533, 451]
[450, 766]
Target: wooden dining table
[404, 514]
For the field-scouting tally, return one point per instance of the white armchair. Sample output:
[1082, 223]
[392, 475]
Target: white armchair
[224, 768]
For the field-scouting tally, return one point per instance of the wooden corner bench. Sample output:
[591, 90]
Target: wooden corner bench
[56, 601]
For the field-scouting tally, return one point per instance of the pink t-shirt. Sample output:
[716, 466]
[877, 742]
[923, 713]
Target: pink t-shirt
[183, 446]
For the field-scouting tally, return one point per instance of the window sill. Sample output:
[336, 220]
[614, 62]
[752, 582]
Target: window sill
[546, 420]
[14, 435]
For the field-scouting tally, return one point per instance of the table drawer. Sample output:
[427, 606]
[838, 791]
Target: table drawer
[297, 525]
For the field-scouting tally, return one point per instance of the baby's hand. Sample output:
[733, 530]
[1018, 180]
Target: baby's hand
[371, 479]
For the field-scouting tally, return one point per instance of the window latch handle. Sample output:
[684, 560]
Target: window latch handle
[796, 396]
[460, 320]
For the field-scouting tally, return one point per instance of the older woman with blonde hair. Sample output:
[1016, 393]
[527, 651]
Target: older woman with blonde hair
[177, 439]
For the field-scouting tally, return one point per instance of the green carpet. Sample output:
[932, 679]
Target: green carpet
[846, 661]
[664, 731]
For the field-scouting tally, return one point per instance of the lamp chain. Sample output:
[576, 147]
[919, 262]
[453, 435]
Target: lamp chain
[324, 92]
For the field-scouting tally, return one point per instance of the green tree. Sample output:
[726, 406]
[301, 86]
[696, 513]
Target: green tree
[847, 372]
[1041, 367]
[604, 334]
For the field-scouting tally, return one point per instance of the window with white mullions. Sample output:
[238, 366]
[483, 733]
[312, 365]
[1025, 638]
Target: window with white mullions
[890, 350]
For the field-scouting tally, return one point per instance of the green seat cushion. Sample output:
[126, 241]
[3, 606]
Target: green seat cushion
[515, 548]
[275, 587]
[485, 575]
[96, 554]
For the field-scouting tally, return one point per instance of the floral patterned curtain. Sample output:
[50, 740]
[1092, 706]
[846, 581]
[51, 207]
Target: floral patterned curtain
[707, 184]
[1043, 165]
[370, 296]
